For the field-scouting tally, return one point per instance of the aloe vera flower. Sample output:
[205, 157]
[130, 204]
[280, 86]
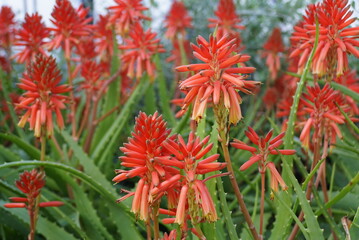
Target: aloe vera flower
[336, 38]
[43, 95]
[323, 115]
[104, 37]
[147, 159]
[70, 25]
[218, 79]
[126, 13]
[194, 197]
[7, 27]
[30, 183]
[177, 20]
[272, 50]
[266, 146]
[31, 38]
[139, 48]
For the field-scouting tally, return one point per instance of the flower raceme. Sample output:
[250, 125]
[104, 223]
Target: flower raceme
[216, 80]
[42, 96]
[126, 13]
[31, 37]
[177, 20]
[194, 198]
[266, 146]
[336, 38]
[324, 115]
[30, 183]
[70, 25]
[272, 49]
[146, 157]
[139, 47]
[7, 27]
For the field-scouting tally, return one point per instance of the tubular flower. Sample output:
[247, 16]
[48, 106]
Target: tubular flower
[324, 115]
[30, 183]
[7, 27]
[351, 81]
[31, 37]
[126, 13]
[42, 96]
[104, 38]
[194, 197]
[177, 20]
[336, 40]
[272, 49]
[216, 80]
[139, 48]
[266, 146]
[227, 21]
[145, 155]
[70, 25]
[92, 73]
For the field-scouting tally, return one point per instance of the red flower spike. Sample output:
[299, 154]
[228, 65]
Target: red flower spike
[190, 154]
[336, 38]
[272, 50]
[42, 96]
[31, 38]
[227, 21]
[7, 27]
[104, 38]
[177, 20]
[266, 146]
[30, 183]
[216, 81]
[323, 113]
[126, 13]
[139, 48]
[70, 25]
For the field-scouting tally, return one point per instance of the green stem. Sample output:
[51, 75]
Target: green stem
[263, 179]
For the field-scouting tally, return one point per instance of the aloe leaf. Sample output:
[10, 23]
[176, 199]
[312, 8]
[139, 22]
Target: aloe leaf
[29, 149]
[354, 227]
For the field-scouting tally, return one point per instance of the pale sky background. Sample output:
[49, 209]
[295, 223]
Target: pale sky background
[44, 7]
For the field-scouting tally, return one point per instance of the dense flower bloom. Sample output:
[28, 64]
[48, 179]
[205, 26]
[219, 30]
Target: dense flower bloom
[31, 37]
[351, 81]
[265, 146]
[194, 197]
[272, 49]
[324, 115]
[227, 21]
[92, 73]
[145, 155]
[30, 183]
[126, 13]
[7, 27]
[42, 96]
[216, 80]
[177, 20]
[139, 47]
[336, 41]
[104, 37]
[70, 25]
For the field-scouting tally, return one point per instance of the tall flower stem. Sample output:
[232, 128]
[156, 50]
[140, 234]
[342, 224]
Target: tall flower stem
[156, 227]
[263, 179]
[316, 158]
[148, 230]
[232, 178]
[72, 98]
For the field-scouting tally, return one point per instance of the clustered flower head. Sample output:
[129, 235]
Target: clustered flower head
[42, 96]
[272, 49]
[217, 80]
[227, 21]
[336, 38]
[31, 183]
[324, 116]
[266, 146]
[126, 13]
[7, 27]
[139, 48]
[177, 20]
[104, 38]
[31, 37]
[69, 25]
[168, 166]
